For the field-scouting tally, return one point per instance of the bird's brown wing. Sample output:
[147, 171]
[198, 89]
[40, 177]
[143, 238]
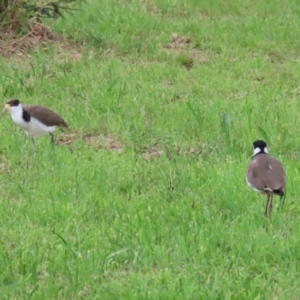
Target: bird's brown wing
[266, 172]
[275, 178]
[45, 115]
[256, 168]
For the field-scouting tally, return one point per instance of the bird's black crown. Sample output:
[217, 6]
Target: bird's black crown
[260, 144]
[13, 102]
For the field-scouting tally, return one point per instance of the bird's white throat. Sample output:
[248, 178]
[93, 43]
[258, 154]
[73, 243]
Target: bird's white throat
[34, 127]
[16, 113]
[16, 110]
[258, 150]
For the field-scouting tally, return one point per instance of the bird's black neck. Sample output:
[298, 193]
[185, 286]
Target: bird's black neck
[26, 116]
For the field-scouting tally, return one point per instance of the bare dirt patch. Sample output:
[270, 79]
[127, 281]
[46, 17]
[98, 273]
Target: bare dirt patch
[178, 43]
[97, 141]
[183, 45]
[39, 35]
[67, 139]
[274, 58]
[150, 7]
[153, 152]
[260, 79]
[114, 145]
[111, 143]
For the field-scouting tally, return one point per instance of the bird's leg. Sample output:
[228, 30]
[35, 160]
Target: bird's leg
[52, 139]
[271, 203]
[281, 203]
[34, 147]
[267, 204]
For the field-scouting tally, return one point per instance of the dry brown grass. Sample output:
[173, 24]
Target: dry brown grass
[95, 140]
[39, 35]
[150, 7]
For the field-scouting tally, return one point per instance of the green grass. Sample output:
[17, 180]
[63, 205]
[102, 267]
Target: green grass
[166, 213]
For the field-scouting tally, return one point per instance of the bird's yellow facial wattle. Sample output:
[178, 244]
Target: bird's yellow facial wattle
[7, 108]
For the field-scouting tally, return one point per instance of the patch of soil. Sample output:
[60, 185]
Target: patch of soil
[106, 141]
[189, 151]
[114, 145]
[67, 139]
[39, 35]
[189, 63]
[182, 45]
[153, 152]
[273, 57]
[260, 79]
[178, 43]
[149, 7]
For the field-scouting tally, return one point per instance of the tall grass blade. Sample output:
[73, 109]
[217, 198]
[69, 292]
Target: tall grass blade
[195, 113]
[226, 127]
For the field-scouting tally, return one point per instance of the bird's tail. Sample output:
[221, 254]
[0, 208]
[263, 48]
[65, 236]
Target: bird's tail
[279, 192]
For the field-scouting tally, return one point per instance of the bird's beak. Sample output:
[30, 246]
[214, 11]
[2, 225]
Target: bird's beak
[6, 108]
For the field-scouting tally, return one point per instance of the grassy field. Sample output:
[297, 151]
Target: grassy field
[145, 196]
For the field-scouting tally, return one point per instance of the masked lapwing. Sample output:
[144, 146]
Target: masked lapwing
[266, 174]
[35, 120]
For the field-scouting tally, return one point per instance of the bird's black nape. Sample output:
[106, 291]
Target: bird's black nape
[260, 144]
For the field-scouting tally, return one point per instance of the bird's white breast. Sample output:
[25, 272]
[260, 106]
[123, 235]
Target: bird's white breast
[17, 116]
[34, 127]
